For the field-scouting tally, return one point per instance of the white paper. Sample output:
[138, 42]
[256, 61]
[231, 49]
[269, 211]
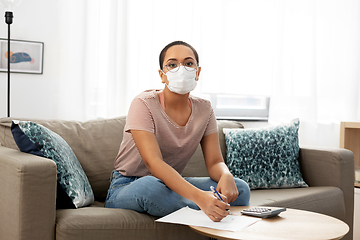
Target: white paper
[188, 216]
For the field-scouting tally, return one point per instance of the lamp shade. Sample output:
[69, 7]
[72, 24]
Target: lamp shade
[9, 5]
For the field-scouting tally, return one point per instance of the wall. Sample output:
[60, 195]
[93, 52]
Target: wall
[33, 95]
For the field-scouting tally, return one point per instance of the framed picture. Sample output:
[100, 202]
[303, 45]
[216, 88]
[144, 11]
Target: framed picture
[25, 56]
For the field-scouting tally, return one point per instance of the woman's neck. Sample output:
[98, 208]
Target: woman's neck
[176, 106]
[174, 100]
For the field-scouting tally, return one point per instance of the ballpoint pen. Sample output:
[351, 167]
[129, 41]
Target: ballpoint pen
[216, 193]
[218, 196]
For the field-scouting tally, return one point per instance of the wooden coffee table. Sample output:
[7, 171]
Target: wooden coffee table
[291, 224]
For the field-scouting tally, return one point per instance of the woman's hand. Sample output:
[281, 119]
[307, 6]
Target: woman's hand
[214, 208]
[227, 187]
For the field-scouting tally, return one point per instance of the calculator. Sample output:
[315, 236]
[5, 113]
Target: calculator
[263, 212]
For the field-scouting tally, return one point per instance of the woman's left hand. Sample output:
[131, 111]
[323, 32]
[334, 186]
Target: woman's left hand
[227, 187]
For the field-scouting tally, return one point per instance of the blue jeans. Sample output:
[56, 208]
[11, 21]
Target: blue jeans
[149, 194]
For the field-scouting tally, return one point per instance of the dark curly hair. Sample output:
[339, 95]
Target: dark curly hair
[163, 52]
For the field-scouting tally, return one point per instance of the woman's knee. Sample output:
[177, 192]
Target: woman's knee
[244, 192]
[147, 186]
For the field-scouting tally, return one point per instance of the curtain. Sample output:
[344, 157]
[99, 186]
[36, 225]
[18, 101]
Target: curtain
[303, 54]
[93, 59]
[315, 72]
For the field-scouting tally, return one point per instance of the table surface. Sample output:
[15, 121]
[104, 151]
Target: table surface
[292, 224]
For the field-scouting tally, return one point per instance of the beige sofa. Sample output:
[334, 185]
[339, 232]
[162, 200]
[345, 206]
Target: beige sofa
[28, 187]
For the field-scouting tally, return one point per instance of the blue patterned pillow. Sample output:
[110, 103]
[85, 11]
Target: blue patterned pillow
[38, 140]
[265, 157]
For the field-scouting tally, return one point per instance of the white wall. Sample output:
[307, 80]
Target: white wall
[33, 95]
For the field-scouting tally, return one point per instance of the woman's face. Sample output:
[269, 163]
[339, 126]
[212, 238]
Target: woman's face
[181, 54]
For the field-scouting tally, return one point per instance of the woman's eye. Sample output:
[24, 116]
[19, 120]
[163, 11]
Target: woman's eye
[190, 64]
[172, 65]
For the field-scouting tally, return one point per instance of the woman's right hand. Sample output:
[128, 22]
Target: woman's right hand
[214, 208]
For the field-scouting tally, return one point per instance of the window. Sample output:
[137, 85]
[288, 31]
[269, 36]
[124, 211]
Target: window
[240, 107]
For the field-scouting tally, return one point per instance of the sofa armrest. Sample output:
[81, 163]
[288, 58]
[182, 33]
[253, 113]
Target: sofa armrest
[327, 167]
[27, 195]
[331, 167]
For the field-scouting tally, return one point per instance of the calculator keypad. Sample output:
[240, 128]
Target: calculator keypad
[263, 212]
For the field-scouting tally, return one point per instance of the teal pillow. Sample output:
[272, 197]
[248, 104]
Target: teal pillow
[38, 140]
[265, 157]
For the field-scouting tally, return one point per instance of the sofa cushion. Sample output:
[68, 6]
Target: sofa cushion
[95, 144]
[265, 157]
[38, 140]
[96, 222]
[323, 199]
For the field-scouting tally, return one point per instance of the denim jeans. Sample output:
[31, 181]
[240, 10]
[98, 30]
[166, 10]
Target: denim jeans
[149, 194]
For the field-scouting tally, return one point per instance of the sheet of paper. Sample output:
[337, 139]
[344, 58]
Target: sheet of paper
[188, 216]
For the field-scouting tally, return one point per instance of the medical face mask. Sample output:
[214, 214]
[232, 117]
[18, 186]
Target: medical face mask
[181, 81]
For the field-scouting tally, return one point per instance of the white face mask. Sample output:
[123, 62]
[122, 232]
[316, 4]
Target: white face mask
[181, 81]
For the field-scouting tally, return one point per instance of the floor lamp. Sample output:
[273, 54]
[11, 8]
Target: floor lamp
[9, 6]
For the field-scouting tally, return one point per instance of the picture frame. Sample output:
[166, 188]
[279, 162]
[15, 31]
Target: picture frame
[26, 56]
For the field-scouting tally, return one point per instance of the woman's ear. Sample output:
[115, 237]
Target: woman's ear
[162, 76]
[197, 74]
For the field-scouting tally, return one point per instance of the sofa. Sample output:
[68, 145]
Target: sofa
[28, 187]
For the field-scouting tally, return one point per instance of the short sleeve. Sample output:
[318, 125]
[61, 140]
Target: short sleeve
[212, 124]
[139, 117]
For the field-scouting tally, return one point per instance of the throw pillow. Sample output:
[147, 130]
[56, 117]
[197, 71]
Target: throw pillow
[73, 185]
[265, 157]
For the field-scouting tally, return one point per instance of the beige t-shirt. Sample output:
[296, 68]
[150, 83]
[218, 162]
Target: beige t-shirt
[177, 143]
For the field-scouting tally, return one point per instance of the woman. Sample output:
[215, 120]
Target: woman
[163, 130]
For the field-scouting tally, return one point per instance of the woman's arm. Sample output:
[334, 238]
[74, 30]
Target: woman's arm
[216, 167]
[150, 152]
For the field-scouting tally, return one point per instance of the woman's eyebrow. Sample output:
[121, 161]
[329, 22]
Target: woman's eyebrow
[174, 59]
[171, 59]
[189, 58]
